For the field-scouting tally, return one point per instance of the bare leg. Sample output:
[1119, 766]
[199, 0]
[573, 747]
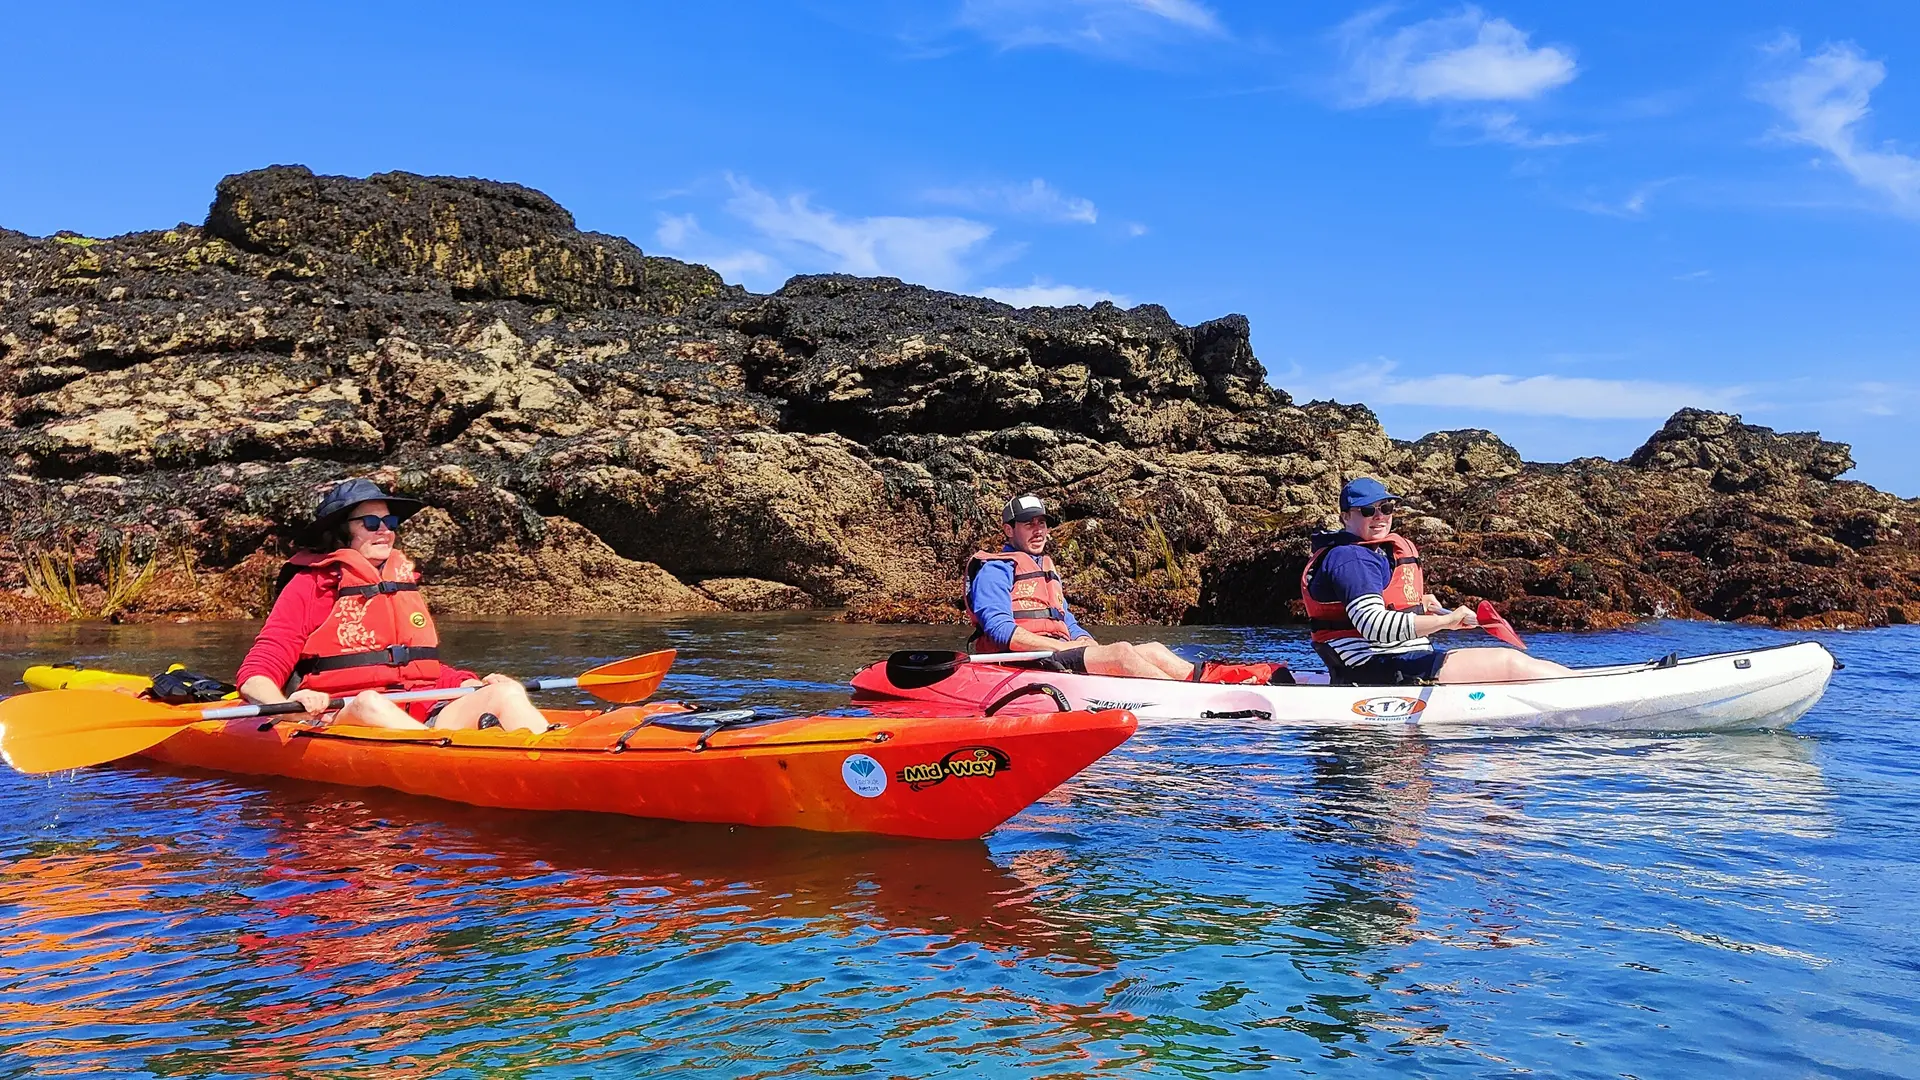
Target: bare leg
[1497, 665]
[506, 700]
[369, 709]
[1168, 661]
[1120, 658]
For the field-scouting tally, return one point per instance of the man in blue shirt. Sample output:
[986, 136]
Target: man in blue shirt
[1370, 612]
[1017, 604]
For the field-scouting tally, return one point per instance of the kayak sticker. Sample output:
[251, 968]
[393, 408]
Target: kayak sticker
[1389, 708]
[1096, 703]
[865, 777]
[968, 762]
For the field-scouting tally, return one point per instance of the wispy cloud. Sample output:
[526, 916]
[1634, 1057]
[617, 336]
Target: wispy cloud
[1694, 275]
[1823, 99]
[1631, 207]
[791, 234]
[1035, 199]
[1465, 57]
[928, 250]
[1501, 126]
[1886, 398]
[1045, 294]
[1113, 28]
[681, 236]
[1377, 383]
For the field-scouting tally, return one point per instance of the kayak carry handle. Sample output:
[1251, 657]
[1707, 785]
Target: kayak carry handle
[1059, 698]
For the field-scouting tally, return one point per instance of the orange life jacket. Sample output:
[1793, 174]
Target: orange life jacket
[379, 633]
[1405, 586]
[1039, 600]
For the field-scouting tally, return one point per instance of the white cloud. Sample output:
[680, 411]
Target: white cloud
[925, 250]
[1884, 399]
[681, 236]
[789, 234]
[1501, 126]
[1694, 275]
[1036, 199]
[1536, 395]
[1824, 101]
[1135, 229]
[1117, 28]
[1044, 294]
[1633, 206]
[1468, 56]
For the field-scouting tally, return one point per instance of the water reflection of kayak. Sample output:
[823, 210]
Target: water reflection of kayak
[332, 901]
[1754, 688]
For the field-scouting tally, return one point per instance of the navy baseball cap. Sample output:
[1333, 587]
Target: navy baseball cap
[1026, 508]
[1363, 491]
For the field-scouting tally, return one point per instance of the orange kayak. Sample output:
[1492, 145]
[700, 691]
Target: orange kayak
[941, 778]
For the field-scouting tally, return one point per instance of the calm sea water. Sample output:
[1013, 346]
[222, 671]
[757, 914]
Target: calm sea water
[1206, 900]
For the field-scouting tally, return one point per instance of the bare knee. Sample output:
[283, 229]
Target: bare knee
[370, 709]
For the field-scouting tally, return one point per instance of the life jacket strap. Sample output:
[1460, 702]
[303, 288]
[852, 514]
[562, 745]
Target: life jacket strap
[391, 656]
[386, 587]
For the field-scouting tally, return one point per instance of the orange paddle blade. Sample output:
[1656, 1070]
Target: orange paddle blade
[630, 680]
[71, 729]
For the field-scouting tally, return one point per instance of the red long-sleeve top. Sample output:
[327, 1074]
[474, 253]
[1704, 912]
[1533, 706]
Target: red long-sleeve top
[303, 605]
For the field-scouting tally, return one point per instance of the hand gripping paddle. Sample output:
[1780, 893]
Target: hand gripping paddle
[53, 730]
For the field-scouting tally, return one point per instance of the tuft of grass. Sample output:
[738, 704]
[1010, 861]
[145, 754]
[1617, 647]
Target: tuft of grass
[52, 579]
[1158, 544]
[76, 241]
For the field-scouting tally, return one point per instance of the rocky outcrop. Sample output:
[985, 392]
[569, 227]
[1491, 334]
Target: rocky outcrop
[599, 429]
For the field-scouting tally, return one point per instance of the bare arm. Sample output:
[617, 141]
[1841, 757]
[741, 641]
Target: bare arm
[1457, 619]
[261, 691]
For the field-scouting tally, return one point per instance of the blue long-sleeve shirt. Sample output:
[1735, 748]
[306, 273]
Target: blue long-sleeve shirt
[990, 596]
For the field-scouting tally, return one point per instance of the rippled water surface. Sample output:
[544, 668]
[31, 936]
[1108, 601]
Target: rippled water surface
[1206, 900]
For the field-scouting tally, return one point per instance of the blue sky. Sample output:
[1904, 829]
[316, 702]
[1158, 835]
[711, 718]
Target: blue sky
[1559, 223]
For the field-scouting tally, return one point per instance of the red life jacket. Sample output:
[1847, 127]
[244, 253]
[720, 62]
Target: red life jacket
[1039, 601]
[379, 633]
[1250, 673]
[1405, 586]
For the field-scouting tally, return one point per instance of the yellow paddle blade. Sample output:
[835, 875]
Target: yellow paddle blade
[70, 729]
[626, 681]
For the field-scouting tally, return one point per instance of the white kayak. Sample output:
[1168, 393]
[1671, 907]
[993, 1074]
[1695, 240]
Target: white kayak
[1754, 688]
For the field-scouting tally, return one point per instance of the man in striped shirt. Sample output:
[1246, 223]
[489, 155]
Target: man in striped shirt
[1372, 616]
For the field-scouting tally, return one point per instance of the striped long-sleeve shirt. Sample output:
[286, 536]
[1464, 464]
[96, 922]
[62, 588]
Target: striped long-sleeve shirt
[1355, 575]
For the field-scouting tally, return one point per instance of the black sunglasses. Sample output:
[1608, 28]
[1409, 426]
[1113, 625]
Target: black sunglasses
[1378, 509]
[375, 522]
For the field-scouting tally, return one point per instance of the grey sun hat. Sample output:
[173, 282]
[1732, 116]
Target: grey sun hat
[1026, 508]
[347, 494]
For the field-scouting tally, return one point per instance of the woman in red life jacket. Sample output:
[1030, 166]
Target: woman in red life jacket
[350, 621]
[1371, 614]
